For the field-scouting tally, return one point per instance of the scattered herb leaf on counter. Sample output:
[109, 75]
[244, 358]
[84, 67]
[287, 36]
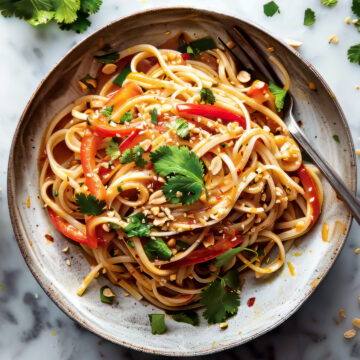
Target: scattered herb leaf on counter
[279, 94]
[112, 148]
[90, 205]
[354, 54]
[157, 322]
[355, 7]
[336, 138]
[69, 14]
[157, 249]
[138, 226]
[207, 96]
[329, 3]
[122, 75]
[309, 17]
[271, 8]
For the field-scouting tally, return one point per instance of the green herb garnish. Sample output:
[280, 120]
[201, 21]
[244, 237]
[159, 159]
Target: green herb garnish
[157, 249]
[138, 226]
[90, 205]
[181, 126]
[157, 322]
[207, 96]
[280, 95]
[122, 75]
[154, 116]
[271, 8]
[127, 117]
[336, 138]
[112, 148]
[309, 17]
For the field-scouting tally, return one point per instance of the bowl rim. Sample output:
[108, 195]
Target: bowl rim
[19, 231]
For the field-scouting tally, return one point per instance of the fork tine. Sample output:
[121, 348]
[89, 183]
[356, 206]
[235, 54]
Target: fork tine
[241, 58]
[256, 56]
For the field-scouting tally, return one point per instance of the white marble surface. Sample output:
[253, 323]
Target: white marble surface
[32, 327]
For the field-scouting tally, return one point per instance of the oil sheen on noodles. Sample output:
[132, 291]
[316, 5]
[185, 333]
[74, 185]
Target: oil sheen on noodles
[259, 195]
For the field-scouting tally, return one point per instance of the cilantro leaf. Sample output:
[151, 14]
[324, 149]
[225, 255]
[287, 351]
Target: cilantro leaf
[90, 6]
[187, 316]
[309, 17]
[157, 249]
[220, 303]
[138, 152]
[181, 126]
[89, 205]
[109, 58]
[336, 138]
[196, 46]
[122, 75]
[126, 157]
[179, 161]
[329, 3]
[154, 116]
[66, 10]
[112, 148]
[279, 94]
[79, 25]
[232, 279]
[355, 7]
[126, 117]
[207, 96]
[271, 8]
[138, 226]
[190, 190]
[224, 258]
[157, 322]
[353, 54]
[107, 111]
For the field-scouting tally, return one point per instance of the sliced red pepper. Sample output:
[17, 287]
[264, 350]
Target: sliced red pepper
[185, 56]
[212, 112]
[66, 228]
[129, 142]
[92, 239]
[112, 131]
[89, 146]
[206, 254]
[311, 193]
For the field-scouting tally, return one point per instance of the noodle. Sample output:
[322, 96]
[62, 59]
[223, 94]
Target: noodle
[256, 190]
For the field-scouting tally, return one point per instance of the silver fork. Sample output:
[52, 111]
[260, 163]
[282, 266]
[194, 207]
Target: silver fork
[252, 59]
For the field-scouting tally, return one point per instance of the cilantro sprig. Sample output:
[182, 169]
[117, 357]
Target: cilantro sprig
[135, 154]
[69, 14]
[112, 148]
[138, 226]
[207, 96]
[221, 303]
[184, 172]
[279, 94]
[157, 249]
[90, 205]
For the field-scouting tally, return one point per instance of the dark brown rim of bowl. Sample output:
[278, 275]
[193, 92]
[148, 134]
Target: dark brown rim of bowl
[18, 228]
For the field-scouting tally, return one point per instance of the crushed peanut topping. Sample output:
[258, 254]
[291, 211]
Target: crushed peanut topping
[349, 334]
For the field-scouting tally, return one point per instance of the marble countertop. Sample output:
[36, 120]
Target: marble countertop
[32, 327]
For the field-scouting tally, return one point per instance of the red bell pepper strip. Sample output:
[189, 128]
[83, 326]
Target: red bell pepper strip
[111, 131]
[88, 149]
[210, 111]
[129, 142]
[91, 235]
[66, 228]
[311, 193]
[206, 254]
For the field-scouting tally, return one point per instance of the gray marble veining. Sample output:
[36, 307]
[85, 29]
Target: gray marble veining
[32, 327]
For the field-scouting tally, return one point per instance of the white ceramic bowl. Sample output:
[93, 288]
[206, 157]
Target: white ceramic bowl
[126, 321]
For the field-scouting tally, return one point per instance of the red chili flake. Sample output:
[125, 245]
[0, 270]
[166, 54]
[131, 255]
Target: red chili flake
[239, 171]
[251, 302]
[49, 237]
[185, 56]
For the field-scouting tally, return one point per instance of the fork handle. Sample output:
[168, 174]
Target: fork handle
[333, 178]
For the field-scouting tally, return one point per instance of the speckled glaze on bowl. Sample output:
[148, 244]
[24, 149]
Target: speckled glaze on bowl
[126, 321]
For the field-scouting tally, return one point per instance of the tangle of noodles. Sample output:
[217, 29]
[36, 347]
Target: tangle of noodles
[251, 173]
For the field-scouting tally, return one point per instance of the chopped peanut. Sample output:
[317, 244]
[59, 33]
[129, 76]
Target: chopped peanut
[333, 39]
[349, 334]
[293, 43]
[356, 322]
[347, 20]
[243, 76]
[108, 69]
